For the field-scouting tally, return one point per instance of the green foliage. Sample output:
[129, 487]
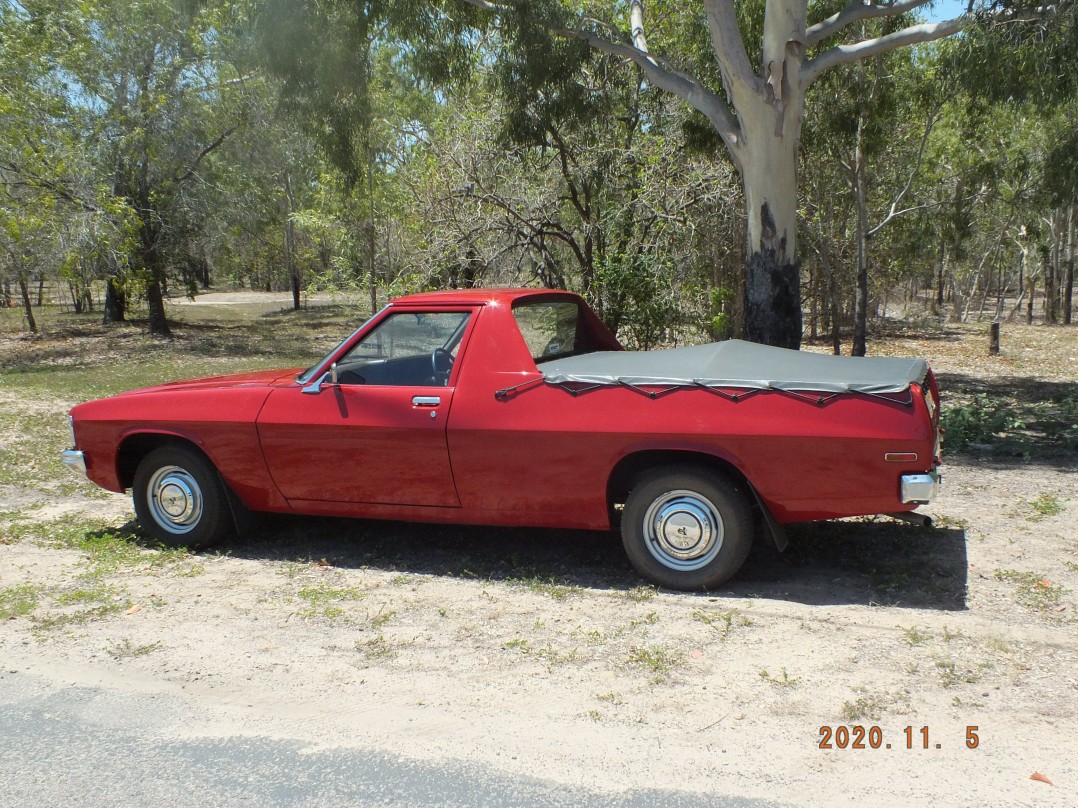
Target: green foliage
[17, 601]
[1013, 55]
[327, 601]
[783, 680]
[1032, 589]
[1045, 506]
[980, 421]
[659, 660]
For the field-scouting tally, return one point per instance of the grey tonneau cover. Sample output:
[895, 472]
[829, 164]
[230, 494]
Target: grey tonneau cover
[739, 364]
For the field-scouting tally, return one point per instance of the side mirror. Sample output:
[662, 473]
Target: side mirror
[329, 377]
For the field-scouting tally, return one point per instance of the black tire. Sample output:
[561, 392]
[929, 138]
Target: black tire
[179, 498]
[686, 527]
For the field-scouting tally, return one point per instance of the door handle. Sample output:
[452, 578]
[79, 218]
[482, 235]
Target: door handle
[426, 401]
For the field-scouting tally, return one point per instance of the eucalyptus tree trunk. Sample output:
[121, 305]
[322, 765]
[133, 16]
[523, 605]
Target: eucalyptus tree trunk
[769, 112]
[31, 324]
[150, 258]
[758, 117]
[860, 297]
[1051, 272]
[772, 270]
[1068, 283]
[288, 203]
[115, 308]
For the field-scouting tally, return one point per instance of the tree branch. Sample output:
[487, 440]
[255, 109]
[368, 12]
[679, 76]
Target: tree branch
[190, 172]
[893, 212]
[843, 54]
[737, 73]
[658, 71]
[39, 183]
[856, 11]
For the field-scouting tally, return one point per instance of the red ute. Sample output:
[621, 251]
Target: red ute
[518, 407]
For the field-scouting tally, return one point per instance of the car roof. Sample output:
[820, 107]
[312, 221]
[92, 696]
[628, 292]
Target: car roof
[475, 296]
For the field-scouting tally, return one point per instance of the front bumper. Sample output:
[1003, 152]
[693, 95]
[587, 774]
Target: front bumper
[920, 488]
[75, 460]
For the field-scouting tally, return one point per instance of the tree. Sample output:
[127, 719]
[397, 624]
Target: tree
[873, 119]
[1021, 59]
[755, 110]
[141, 89]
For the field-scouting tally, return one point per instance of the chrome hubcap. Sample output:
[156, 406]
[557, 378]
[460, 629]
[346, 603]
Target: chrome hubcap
[175, 499]
[683, 530]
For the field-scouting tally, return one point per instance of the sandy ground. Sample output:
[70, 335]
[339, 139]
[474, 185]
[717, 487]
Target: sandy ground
[605, 684]
[540, 654]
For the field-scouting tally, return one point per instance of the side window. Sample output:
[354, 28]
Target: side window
[406, 349]
[550, 328]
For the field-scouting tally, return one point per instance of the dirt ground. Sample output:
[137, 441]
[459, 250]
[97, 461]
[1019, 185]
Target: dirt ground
[540, 653]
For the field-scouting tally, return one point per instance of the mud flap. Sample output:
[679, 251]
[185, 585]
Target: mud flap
[242, 517]
[777, 531]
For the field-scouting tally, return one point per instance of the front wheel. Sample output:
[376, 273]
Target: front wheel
[179, 498]
[686, 528]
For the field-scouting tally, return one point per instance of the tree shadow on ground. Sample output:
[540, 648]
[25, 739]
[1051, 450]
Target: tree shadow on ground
[921, 329]
[1014, 417]
[881, 563]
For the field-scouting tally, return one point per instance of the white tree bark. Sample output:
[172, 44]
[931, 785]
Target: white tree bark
[758, 116]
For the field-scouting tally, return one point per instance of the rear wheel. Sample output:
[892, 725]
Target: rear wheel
[179, 498]
[686, 528]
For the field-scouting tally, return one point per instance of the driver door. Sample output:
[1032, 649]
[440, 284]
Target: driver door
[378, 436]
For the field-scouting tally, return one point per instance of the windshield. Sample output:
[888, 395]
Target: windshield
[309, 373]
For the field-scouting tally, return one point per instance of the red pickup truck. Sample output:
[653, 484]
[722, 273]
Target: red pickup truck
[519, 407]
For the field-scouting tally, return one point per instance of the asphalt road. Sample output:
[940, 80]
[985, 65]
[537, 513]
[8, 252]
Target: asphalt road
[69, 746]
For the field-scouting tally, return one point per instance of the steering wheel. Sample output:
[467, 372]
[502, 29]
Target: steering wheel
[441, 363]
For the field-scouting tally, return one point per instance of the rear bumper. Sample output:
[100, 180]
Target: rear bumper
[920, 488]
[75, 460]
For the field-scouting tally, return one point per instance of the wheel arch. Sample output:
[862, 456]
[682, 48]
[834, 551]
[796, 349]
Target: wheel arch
[630, 467]
[136, 446]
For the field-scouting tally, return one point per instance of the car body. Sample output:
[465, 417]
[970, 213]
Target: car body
[496, 407]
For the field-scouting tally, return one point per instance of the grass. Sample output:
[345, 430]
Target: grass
[956, 522]
[80, 616]
[75, 358]
[914, 636]
[610, 698]
[97, 593]
[383, 618]
[1026, 419]
[980, 421]
[724, 622]
[1045, 506]
[659, 660]
[949, 635]
[18, 601]
[872, 705]
[869, 706]
[1032, 589]
[377, 648]
[108, 549]
[325, 601]
[548, 653]
[951, 673]
[545, 585]
[89, 593]
[783, 680]
[129, 650]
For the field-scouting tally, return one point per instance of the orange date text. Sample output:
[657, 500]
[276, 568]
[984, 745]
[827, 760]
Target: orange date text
[860, 737]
